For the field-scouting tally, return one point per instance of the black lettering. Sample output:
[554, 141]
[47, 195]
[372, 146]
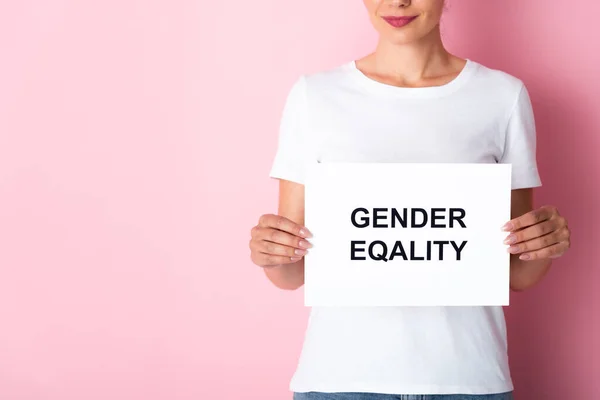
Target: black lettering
[364, 220]
[414, 218]
[441, 243]
[398, 250]
[462, 213]
[378, 257]
[376, 217]
[428, 250]
[401, 219]
[353, 250]
[412, 252]
[458, 249]
[434, 217]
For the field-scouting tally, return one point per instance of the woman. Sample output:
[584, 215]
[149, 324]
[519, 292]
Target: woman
[408, 101]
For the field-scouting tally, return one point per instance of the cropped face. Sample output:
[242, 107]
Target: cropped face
[404, 21]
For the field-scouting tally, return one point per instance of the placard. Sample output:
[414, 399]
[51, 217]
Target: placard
[398, 234]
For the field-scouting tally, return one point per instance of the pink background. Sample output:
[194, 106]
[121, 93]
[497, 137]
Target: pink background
[135, 143]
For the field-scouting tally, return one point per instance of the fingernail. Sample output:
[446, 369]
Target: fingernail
[510, 239]
[513, 249]
[525, 257]
[295, 258]
[305, 232]
[300, 252]
[507, 227]
[305, 244]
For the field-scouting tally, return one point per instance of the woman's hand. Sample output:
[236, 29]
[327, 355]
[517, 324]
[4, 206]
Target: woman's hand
[538, 234]
[277, 240]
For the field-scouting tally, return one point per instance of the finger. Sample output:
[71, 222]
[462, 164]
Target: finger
[283, 224]
[276, 249]
[529, 219]
[269, 260]
[538, 242]
[281, 237]
[554, 251]
[533, 232]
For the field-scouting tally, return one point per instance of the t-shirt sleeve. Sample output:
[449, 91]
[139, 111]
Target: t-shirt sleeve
[289, 160]
[520, 143]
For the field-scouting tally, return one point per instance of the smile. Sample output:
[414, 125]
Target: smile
[398, 22]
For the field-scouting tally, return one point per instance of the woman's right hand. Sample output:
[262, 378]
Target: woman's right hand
[277, 240]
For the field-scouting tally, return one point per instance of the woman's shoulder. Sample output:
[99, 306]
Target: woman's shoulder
[492, 78]
[326, 77]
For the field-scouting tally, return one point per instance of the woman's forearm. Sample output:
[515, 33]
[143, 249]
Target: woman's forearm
[525, 274]
[288, 277]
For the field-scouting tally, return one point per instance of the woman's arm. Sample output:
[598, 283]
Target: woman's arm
[537, 236]
[291, 206]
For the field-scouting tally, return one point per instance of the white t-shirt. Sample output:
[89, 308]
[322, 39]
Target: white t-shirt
[341, 115]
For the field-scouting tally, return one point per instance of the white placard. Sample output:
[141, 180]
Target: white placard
[397, 234]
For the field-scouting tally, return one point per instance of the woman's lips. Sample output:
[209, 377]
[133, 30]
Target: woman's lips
[398, 22]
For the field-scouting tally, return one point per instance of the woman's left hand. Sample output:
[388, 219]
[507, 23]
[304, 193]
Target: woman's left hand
[539, 234]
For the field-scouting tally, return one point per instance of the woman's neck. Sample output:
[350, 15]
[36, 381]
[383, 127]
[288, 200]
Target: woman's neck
[413, 62]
